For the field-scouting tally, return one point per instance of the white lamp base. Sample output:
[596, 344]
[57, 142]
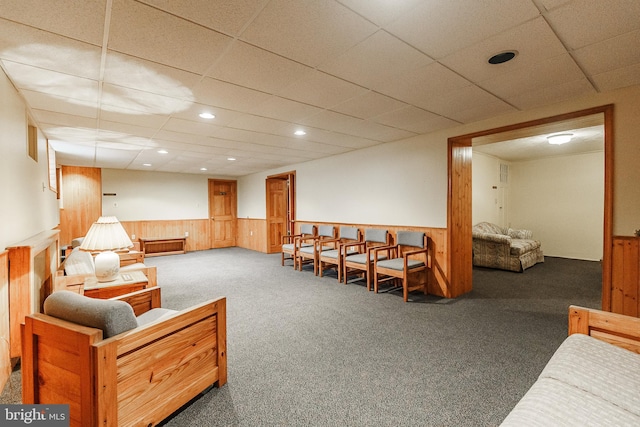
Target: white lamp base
[107, 266]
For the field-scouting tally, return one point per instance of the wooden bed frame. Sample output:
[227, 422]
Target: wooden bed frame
[617, 329]
[139, 377]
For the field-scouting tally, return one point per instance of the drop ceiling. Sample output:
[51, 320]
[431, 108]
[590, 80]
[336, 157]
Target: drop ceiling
[110, 83]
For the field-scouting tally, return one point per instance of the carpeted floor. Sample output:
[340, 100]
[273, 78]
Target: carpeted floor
[304, 350]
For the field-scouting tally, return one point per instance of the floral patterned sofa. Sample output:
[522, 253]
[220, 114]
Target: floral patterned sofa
[504, 248]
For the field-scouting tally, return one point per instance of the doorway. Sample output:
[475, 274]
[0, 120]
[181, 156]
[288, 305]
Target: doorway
[222, 213]
[280, 195]
[460, 200]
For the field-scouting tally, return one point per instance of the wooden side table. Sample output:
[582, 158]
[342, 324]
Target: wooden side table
[155, 246]
[127, 282]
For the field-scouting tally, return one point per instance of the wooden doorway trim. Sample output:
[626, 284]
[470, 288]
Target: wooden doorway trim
[459, 221]
[285, 221]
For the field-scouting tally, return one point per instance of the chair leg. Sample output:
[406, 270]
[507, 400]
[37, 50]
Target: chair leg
[375, 282]
[405, 288]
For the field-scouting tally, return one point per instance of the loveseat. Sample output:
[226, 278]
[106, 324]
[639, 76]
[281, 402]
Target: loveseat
[504, 248]
[593, 379]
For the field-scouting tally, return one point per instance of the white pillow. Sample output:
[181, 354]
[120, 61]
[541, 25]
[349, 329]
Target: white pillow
[78, 262]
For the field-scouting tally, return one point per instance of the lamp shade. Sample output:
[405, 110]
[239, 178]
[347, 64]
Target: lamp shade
[105, 236]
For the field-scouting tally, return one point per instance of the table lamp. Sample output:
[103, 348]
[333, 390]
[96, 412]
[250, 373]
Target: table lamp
[106, 236]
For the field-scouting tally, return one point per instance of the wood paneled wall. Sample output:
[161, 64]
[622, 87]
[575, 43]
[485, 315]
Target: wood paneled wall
[5, 358]
[625, 276]
[81, 194]
[252, 234]
[198, 230]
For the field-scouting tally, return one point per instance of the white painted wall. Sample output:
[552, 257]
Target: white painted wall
[26, 208]
[484, 187]
[410, 181]
[144, 195]
[561, 199]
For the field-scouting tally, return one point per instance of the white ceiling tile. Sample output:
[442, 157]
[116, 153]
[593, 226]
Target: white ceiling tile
[584, 22]
[72, 154]
[26, 45]
[619, 78]
[60, 17]
[353, 126]
[414, 119]
[175, 124]
[222, 115]
[552, 94]
[552, 4]
[75, 90]
[42, 101]
[309, 32]
[534, 41]
[452, 103]
[442, 27]
[418, 85]
[127, 129]
[263, 124]
[321, 89]
[61, 119]
[128, 71]
[144, 32]
[381, 12]
[475, 113]
[228, 17]
[222, 94]
[376, 60]
[153, 121]
[368, 105]
[610, 54]
[132, 101]
[284, 109]
[256, 68]
[552, 72]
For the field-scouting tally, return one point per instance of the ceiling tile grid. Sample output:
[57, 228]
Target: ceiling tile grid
[111, 82]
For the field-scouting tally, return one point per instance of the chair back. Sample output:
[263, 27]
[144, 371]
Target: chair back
[308, 229]
[326, 231]
[410, 238]
[376, 235]
[349, 233]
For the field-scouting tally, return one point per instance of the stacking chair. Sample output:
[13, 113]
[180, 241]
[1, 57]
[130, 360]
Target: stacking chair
[409, 257]
[332, 258]
[291, 243]
[362, 262]
[308, 254]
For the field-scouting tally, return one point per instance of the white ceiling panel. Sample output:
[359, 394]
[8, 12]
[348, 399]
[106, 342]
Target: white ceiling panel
[144, 32]
[309, 32]
[133, 75]
[439, 28]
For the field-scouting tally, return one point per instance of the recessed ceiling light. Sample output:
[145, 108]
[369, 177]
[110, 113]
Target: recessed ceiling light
[231, 159]
[163, 152]
[560, 138]
[300, 132]
[207, 116]
[146, 164]
[502, 57]
[203, 169]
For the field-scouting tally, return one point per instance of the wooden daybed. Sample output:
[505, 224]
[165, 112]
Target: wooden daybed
[592, 379]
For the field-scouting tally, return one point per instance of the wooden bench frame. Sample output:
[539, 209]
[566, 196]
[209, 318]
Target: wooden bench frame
[617, 329]
[139, 377]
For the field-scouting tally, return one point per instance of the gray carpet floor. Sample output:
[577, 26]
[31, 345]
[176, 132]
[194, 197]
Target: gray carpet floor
[308, 351]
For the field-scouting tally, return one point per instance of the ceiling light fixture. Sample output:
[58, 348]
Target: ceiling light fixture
[560, 138]
[502, 57]
[231, 159]
[300, 132]
[203, 169]
[207, 116]
[163, 152]
[146, 164]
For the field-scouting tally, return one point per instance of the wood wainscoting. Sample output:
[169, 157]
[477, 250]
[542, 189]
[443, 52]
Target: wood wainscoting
[625, 276]
[5, 357]
[198, 230]
[252, 234]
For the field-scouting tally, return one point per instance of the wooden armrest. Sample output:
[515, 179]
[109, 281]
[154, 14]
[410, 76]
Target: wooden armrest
[416, 252]
[614, 328]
